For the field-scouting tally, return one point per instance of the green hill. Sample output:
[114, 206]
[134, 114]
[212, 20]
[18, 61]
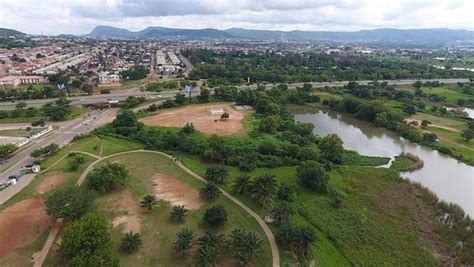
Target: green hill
[9, 32]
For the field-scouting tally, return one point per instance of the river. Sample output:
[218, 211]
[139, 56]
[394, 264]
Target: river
[450, 179]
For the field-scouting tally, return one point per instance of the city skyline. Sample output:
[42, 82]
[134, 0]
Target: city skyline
[80, 17]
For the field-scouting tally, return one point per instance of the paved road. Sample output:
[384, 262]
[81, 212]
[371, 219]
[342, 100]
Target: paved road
[40, 256]
[121, 95]
[61, 136]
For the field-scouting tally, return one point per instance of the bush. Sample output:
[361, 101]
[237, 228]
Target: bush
[313, 175]
[108, 178]
[215, 216]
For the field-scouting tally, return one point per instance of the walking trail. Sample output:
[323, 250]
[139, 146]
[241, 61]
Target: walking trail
[40, 256]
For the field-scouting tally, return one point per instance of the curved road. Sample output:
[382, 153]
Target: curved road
[41, 256]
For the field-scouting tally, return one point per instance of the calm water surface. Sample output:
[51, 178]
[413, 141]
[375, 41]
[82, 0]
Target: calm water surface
[450, 179]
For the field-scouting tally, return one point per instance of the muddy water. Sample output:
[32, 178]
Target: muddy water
[450, 179]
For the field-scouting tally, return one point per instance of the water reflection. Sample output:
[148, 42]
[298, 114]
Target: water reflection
[450, 179]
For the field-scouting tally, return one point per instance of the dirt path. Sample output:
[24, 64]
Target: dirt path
[271, 238]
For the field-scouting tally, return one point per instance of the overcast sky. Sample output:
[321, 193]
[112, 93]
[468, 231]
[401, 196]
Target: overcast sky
[80, 16]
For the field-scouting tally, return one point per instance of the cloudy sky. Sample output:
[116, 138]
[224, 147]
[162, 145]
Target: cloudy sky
[80, 16]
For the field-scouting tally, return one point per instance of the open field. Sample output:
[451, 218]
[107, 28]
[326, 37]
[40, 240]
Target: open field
[439, 121]
[205, 117]
[24, 219]
[14, 133]
[157, 230]
[444, 91]
[385, 220]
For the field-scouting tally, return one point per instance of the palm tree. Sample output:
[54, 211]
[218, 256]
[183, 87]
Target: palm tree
[210, 191]
[211, 239]
[245, 245]
[302, 240]
[207, 255]
[178, 213]
[281, 214]
[242, 184]
[264, 189]
[148, 202]
[184, 241]
[131, 241]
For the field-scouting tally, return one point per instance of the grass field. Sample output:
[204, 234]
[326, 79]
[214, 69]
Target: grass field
[381, 223]
[157, 231]
[444, 91]
[15, 133]
[438, 120]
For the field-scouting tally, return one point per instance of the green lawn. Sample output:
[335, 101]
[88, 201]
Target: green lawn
[438, 120]
[380, 223]
[15, 133]
[450, 94]
[158, 232]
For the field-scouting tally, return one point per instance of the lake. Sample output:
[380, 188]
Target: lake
[450, 179]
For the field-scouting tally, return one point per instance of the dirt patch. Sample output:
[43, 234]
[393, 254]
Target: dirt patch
[176, 192]
[131, 220]
[51, 181]
[206, 118]
[18, 222]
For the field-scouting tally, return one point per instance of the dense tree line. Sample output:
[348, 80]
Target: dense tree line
[235, 67]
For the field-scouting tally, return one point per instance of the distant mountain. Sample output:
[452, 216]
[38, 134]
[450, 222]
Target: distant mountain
[394, 36]
[10, 32]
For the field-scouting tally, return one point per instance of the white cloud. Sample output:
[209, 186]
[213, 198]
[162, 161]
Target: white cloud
[80, 16]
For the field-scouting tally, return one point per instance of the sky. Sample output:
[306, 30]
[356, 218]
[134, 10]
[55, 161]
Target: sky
[81, 16]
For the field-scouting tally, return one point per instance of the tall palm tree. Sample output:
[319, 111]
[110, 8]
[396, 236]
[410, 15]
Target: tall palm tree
[131, 242]
[148, 202]
[281, 214]
[264, 189]
[184, 241]
[245, 245]
[210, 191]
[242, 184]
[178, 213]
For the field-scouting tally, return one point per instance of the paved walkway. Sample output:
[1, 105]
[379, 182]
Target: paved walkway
[41, 256]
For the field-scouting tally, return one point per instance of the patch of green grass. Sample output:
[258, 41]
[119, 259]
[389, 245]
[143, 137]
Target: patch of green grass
[379, 224]
[157, 231]
[115, 145]
[76, 112]
[14, 133]
[438, 120]
[355, 159]
[450, 94]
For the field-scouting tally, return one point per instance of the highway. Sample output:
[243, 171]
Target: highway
[62, 136]
[121, 95]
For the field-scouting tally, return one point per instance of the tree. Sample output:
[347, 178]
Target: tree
[188, 128]
[184, 241]
[180, 98]
[20, 105]
[302, 241]
[425, 123]
[270, 123]
[418, 84]
[245, 245]
[207, 255]
[70, 203]
[178, 213]
[468, 133]
[126, 123]
[285, 192]
[210, 191]
[205, 95]
[211, 247]
[6, 150]
[45, 151]
[148, 202]
[264, 189]
[215, 216]
[86, 242]
[130, 242]
[225, 116]
[429, 137]
[39, 122]
[281, 214]
[313, 175]
[107, 178]
[242, 184]
[331, 148]
[217, 174]
[409, 109]
[75, 162]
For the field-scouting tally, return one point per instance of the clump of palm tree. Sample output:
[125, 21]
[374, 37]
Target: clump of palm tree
[178, 213]
[148, 202]
[210, 191]
[130, 242]
[184, 241]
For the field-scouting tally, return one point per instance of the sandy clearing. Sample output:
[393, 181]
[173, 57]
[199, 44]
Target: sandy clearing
[19, 221]
[51, 181]
[200, 116]
[176, 192]
[131, 220]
